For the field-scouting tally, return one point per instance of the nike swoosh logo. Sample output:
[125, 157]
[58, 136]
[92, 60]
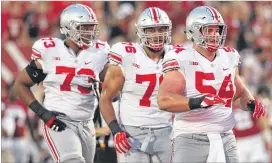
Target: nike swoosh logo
[224, 69]
[87, 62]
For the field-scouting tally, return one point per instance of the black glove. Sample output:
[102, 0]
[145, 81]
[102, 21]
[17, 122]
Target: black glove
[48, 117]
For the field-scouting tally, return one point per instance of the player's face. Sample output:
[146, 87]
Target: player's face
[156, 34]
[86, 32]
[212, 35]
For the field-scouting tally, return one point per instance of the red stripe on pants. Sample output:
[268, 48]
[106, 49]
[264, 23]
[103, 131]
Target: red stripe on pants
[50, 143]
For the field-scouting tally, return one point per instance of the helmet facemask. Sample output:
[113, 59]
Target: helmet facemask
[200, 35]
[154, 38]
[83, 34]
[214, 41]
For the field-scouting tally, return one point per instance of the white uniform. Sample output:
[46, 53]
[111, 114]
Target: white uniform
[202, 77]
[139, 112]
[67, 90]
[138, 105]
[211, 125]
[67, 76]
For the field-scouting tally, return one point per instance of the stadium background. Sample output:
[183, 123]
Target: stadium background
[249, 31]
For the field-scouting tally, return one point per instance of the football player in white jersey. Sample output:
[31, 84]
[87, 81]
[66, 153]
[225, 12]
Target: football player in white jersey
[67, 69]
[199, 85]
[136, 70]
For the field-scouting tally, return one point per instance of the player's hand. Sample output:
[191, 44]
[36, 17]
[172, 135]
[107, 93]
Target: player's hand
[103, 131]
[257, 108]
[51, 120]
[121, 142]
[205, 101]
[210, 100]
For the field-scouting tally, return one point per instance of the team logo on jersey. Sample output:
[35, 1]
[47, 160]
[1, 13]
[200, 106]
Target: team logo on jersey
[135, 65]
[56, 58]
[193, 63]
[86, 62]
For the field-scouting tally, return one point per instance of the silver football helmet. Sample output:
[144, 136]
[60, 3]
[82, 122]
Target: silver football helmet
[150, 18]
[200, 19]
[78, 22]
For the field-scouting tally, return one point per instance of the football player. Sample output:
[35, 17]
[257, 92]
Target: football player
[66, 69]
[136, 71]
[199, 85]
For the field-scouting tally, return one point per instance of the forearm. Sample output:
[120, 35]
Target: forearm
[103, 131]
[172, 102]
[107, 110]
[244, 97]
[242, 92]
[108, 114]
[23, 92]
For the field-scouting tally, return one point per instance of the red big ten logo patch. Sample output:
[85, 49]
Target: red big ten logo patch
[193, 63]
[56, 58]
[135, 65]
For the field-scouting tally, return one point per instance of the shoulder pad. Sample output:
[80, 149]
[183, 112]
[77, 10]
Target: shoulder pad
[41, 46]
[232, 54]
[177, 51]
[167, 48]
[123, 48]
[120, 50]
[102, 45]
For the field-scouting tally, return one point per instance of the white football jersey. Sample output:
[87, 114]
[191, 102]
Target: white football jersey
[138, 104]
[202, 77]
[67, 84]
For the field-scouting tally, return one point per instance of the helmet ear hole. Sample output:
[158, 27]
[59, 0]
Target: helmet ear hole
[189, 35]
[63, 31]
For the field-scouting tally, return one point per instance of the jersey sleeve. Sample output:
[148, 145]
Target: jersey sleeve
[116, 54]
[233, 56]
[38, 50]
[172, 61]
[237, 58]
[103, 58]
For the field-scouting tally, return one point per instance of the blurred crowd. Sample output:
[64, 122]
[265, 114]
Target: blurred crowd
[249, 31]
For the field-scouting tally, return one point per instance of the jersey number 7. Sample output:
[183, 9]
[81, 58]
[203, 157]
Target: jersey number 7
[152, 79]
[71, 72]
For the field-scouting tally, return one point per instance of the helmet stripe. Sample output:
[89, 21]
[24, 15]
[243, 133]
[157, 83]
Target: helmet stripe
[89, 11]
[155, 15]
[214, 13]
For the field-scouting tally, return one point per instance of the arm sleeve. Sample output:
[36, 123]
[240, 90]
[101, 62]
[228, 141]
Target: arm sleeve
[38, 51]
[237, 58]
[171, 62]
[103, 59]
[115, 54]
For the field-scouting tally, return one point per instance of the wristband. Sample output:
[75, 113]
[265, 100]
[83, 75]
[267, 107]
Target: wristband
[114, 126]
[251, 105]
[36, 107]
[195, 103]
